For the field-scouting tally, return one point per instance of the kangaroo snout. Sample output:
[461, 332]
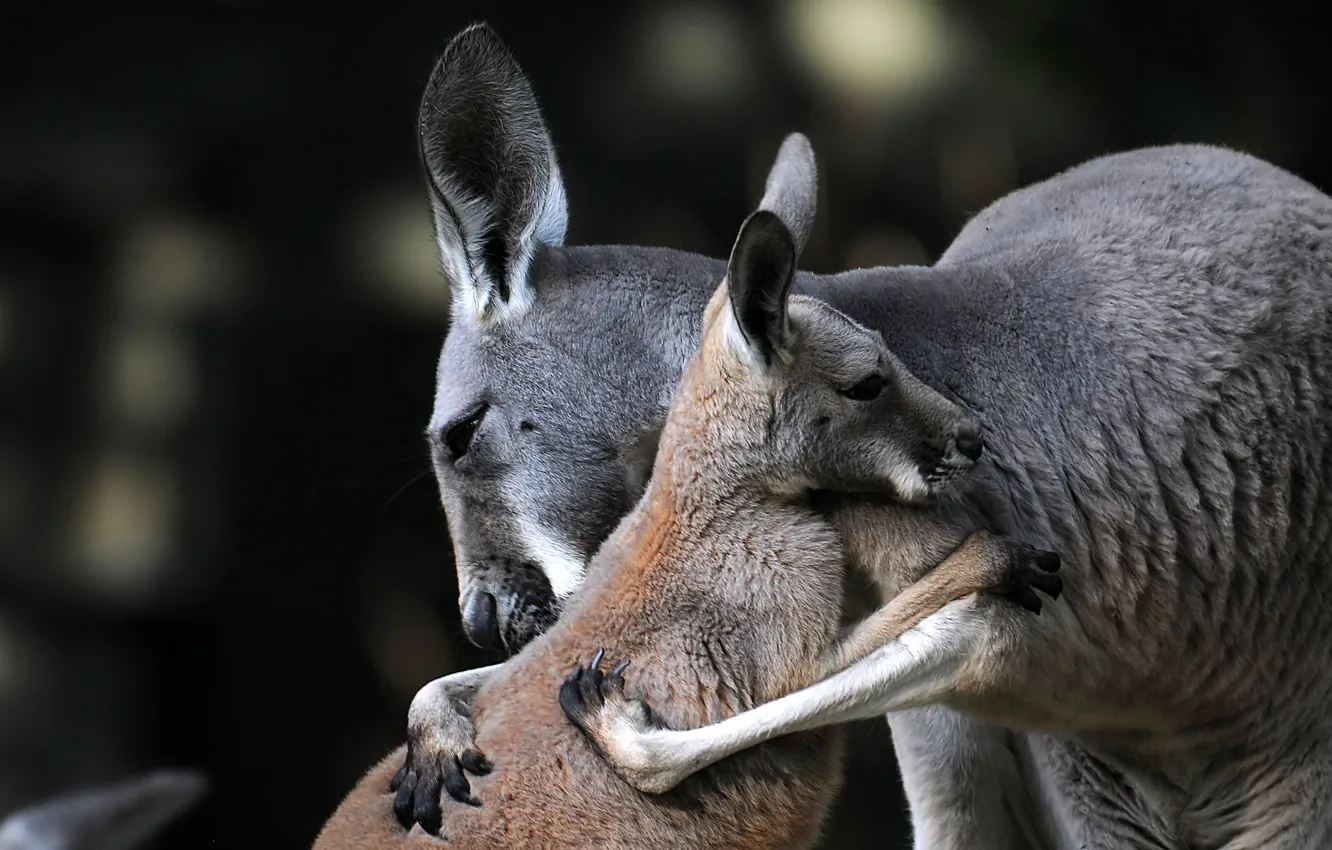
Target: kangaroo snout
[959, 447]
[950, 454]
[505, 603]
[480, 619]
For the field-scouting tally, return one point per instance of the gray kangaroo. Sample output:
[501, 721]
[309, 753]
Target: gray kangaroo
[1146, 341]
[729, 581]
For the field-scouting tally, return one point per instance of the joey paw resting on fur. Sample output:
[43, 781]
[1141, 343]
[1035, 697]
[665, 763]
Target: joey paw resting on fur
[588, 695]
[438, 758]
[1030, 570]
[620, 729]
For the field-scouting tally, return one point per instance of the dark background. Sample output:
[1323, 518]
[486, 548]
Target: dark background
[220, 312]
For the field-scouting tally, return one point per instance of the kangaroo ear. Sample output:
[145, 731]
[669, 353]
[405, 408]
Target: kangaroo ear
[495, 186]
[113, 817]
[759, 276]
[792, 190]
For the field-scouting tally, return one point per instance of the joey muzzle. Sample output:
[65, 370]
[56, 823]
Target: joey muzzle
[969, 443]
[958, 448]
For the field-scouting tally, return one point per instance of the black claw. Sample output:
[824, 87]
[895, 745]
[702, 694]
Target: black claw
[590, 686]
[1048, 561]
[456, 783]
[402, 801]
[613, 684]
[425, 809]
[1027, 598]
[571, 697]
[1047, 583]
[475, 762]
[583, 690]
[1032, 570]
[417, 787]
[431, 819]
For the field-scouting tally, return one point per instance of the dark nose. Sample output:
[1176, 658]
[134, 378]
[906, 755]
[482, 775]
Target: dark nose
[970, 444]
[481, 620]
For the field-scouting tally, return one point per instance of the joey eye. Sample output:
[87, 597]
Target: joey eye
[868, 389]
[458, 436]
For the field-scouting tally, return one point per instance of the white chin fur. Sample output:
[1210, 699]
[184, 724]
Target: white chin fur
[910, 484]
[564, 568]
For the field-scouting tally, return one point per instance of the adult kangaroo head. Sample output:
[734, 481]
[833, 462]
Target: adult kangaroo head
[560, 361]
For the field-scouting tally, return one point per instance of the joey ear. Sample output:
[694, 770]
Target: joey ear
[495, 185]
[112, 817]
[792, 188]
[759, 275]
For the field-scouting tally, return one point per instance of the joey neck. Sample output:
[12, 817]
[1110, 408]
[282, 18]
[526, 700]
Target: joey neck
[695, 489]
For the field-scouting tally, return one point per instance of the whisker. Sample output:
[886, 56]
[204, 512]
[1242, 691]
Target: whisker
[396, 493]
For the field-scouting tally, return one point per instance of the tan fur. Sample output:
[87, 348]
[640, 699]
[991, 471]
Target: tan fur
[365, 821]
[726, 594]
[979, 564]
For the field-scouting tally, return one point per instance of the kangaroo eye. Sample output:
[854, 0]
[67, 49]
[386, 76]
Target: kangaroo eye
[868, 389]
[458, 436]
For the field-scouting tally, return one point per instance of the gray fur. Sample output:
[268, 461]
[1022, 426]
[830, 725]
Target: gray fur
[792, 188]
[1146, 340]
[495, 185]
[725, 584]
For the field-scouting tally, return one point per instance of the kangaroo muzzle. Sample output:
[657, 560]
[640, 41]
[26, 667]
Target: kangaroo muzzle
[951, 454]
[969, 443]
[480, 619]
[505, 603]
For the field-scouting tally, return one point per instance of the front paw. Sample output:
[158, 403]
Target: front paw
[1029, 570]
[439, 756]
[591, 698]
[620, 729]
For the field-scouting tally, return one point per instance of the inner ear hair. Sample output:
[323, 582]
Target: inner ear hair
[495, 185]
[760, 273]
